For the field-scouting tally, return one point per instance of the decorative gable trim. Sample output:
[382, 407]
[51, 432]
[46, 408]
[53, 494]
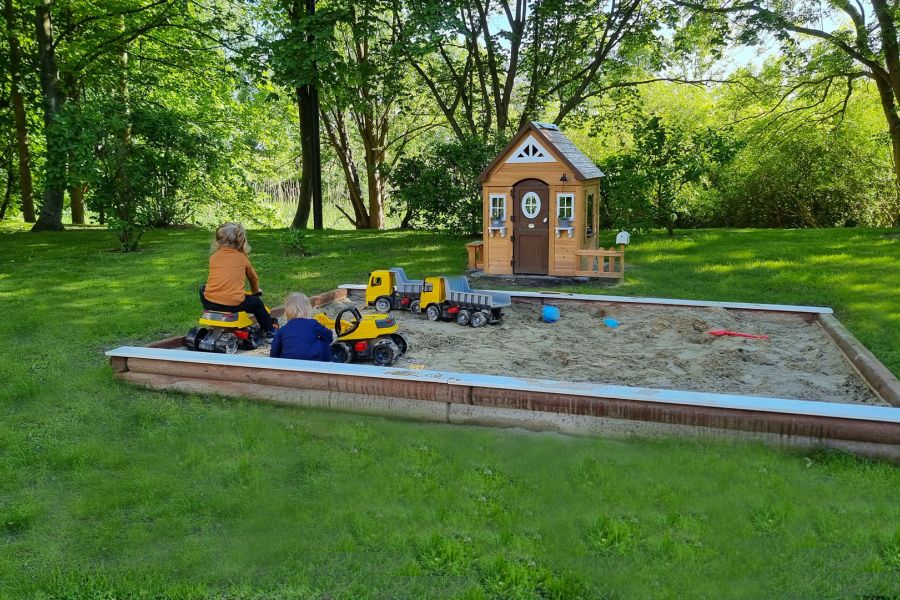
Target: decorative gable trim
[530, 151]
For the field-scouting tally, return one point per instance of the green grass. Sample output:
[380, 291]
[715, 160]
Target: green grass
[108, 491]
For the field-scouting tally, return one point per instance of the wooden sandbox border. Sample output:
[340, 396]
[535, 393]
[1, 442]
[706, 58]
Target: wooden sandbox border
[537, 404]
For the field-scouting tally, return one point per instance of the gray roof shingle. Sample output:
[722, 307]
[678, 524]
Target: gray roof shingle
[578, 160]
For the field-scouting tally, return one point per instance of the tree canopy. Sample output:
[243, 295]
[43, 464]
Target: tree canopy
[148, 113]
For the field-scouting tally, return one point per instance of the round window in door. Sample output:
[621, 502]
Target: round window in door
[531, 205]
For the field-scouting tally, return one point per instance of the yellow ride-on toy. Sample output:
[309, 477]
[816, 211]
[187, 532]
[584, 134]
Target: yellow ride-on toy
[367, 337]
[225, 332]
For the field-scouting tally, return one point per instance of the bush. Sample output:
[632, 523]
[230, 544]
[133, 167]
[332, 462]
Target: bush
[294, 242]
[439, 189]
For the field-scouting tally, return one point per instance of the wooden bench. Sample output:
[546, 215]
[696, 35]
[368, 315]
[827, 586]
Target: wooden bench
[476, 254]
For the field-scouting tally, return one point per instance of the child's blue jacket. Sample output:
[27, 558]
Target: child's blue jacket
[304, 339]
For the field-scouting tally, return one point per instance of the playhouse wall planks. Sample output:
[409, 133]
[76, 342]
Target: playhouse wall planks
[562, 176]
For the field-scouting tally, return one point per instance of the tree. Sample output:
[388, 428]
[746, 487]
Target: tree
[439, 188]
[18, 105]
[645, 183]
[483, 61]
[50, 216]
[868, 49]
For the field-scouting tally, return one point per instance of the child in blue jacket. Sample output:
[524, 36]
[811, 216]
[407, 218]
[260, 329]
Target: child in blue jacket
[301, 337]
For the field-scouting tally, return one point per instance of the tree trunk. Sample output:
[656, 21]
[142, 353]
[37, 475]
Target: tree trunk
[311, 166]
[889, 107]
[15, 64]
[76, 189]
[374, 179]
[301, 217]
[126, 206]
[50, 218]
[340, 141]
[8, 194]
[76, 199]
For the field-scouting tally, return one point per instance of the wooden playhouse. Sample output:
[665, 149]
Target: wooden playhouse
[541, 210]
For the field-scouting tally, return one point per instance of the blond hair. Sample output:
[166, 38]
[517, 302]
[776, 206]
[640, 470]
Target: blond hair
[297, 306]
[231, 235]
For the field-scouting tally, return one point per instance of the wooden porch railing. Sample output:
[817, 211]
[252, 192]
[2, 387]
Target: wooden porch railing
[476, 254]
[600, 263]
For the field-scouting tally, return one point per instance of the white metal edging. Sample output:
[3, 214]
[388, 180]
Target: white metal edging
[680, 397]
[819, 310]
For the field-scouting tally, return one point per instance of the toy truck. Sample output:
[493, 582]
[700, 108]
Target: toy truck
[390, 288]
[370, 337]
[452, 298]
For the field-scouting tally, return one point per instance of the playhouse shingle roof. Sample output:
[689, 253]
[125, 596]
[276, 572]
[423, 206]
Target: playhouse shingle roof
[583, 166]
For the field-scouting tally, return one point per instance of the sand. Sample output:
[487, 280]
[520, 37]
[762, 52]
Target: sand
[655, 347]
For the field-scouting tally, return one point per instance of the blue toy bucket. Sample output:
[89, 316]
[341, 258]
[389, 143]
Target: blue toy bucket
[549, 314]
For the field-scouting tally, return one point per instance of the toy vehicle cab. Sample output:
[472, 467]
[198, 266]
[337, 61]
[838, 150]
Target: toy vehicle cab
[371, 337]
[389, 289]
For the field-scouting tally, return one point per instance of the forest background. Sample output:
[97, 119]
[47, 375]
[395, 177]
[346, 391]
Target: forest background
[152, 113]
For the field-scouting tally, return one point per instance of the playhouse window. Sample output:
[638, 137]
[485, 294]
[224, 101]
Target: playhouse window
[565, 207]
[531, 205]
[498, 207]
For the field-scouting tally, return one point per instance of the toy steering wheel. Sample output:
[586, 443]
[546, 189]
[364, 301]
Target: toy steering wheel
[354, 323]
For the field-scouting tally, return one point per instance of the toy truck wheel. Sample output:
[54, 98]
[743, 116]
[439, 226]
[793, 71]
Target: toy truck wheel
[254, 339]
[383, 305]
[415, 307]
[194, 336]
[385, 352]
[479, 319]
[341, 353]
[464, 317]
[433, 312]
[226, 344]
[401, 341]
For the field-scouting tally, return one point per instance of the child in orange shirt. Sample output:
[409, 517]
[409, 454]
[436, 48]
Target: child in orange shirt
[228, 266]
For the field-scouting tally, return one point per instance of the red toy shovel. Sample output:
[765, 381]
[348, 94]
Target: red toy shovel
[737, 334]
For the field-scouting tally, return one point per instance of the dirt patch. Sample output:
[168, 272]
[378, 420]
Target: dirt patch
[656, 347]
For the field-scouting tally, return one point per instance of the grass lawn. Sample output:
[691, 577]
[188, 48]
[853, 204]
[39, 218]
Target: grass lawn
[109, 491]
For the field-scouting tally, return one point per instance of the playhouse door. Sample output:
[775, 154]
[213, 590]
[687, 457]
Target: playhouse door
[531, 227]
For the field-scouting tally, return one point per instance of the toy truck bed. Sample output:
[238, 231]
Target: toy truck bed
[404, 285]
[460, 294]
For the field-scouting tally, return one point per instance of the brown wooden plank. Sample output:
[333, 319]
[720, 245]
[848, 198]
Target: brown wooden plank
[885, 383]
[417, 390]
[744, 420]
[357, 403]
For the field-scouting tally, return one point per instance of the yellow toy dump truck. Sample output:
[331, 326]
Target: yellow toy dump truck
[390, 288]
[372, 337]
[452, 298]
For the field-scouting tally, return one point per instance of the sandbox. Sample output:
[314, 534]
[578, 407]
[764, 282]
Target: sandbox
[811, 384]
[662, 347]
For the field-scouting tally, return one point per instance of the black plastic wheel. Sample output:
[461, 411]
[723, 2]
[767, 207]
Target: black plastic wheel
[226, 344]
[194, 336]
[254, 339]
[433, 312]
[384, 353]
[383, 305]
[464, 317]
[401, 341]
[341, 353]
[415, 307]
[479, 319]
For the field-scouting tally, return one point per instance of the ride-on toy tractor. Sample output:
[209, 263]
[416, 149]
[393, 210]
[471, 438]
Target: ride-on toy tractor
[225, 332]
[367, 337]
[390, 288]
